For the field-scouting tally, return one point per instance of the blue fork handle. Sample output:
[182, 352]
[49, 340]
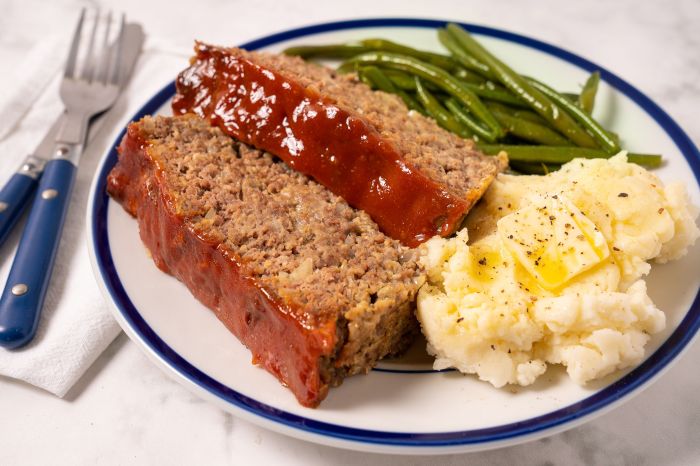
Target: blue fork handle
[23, 297]
[14, 197]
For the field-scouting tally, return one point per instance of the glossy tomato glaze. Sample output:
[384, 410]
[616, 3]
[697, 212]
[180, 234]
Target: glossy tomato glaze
[216, 276]
[314, 136]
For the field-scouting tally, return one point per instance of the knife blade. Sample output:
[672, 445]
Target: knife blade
[15, 195]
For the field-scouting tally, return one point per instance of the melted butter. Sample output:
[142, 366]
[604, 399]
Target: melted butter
[553, 240]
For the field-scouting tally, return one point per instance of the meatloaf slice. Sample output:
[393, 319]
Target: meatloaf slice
[415, 179]
[307, 283]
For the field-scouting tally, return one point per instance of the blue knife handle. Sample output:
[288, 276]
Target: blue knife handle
[23, 297]
[14, 197]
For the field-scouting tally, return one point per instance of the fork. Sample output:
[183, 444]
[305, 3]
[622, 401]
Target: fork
[86, 90]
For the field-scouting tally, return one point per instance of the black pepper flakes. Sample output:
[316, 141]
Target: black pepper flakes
[623, 195]
[482, 261]
[460, 319]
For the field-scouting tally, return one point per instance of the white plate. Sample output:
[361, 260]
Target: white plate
[403, 407]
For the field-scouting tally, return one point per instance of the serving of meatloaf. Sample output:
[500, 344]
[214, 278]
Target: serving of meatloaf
[310, 285]
[412, 177]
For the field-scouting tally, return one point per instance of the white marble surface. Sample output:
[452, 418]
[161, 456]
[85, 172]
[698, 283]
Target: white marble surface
[125, 411]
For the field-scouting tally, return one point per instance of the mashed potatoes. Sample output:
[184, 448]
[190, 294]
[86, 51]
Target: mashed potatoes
[549, 270]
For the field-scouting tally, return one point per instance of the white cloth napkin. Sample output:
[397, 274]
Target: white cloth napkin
[75, 325]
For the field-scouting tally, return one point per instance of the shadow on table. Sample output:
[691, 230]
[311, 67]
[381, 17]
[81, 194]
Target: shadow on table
[96, 368]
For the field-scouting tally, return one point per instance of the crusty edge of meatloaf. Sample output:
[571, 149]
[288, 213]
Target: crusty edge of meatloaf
[321, 357]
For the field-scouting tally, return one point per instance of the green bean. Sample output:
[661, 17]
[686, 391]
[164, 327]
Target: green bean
[561, 155]
[534, 168]
[380, 81]
[468, 76]
[560, 120]
[517, 113]
[462, 116]
[495, 94]
[411, 102]
[406, 82]
[375, 76]
[530, 116]
[598, 133]
[401, 80]
[438, 76]
[326, 51]
[530, 131]
[442, 61]
[463, 58]
[365, 78]
[586, 99]
[437, 111]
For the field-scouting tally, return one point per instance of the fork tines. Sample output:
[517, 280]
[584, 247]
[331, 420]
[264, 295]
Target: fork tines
[96, 66]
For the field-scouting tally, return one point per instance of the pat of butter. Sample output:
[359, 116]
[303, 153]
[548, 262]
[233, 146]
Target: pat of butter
[553, 240]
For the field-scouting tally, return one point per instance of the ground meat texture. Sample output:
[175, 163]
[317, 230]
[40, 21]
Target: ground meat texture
[283, 262]
[415, 179]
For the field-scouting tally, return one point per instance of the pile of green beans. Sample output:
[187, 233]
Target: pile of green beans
[473, 94]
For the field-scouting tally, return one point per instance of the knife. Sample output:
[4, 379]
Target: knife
[18, 191]
[23, 296]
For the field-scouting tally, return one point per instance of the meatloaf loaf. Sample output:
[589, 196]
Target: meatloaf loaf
[415, 179]
[307, 283]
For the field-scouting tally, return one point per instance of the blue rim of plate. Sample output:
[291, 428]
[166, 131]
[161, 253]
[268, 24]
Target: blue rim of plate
[643, 374]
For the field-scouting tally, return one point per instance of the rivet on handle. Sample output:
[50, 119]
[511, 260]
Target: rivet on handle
[49, 194]
[3, 206]
[19, 289]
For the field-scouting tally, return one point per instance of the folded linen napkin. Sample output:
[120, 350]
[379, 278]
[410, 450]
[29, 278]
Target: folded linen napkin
[75, 325]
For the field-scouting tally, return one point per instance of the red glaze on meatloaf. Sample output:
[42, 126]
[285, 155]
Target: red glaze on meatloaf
[308, 284]
[339, 132]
